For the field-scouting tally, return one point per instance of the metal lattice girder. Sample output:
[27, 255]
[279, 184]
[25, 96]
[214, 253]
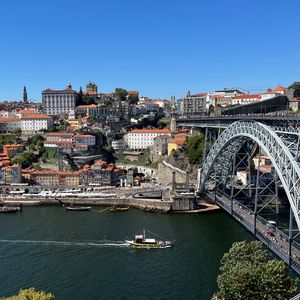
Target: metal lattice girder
[283, 159]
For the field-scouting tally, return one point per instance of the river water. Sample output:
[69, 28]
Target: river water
[82, 255]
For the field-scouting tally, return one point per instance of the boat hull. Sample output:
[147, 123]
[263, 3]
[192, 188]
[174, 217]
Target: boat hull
[158, 245]
[85, 208]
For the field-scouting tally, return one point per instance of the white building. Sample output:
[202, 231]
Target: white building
[57, 102]
[143, 138]
[118, 144]
[86, 139]
[35, 123]
[9, 124]
[245, 99]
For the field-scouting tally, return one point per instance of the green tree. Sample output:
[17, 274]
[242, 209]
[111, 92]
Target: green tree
[24, 160]
[133, 99]
[36, 143]
[247, 272]
[194, 148]
[121, 94]
[295, 85]
[31, 294]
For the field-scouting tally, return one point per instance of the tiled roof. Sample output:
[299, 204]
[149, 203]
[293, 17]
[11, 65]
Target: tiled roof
[177, 141]
[280, 88]
[9, 120]
[65, 91]
[28, 111]
[150, 131]
[247, 96]
[54, 172]
[36, 117]
[87, 106]
[79, 136]
[60, 134]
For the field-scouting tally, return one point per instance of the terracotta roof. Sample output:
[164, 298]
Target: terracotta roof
[89, 93]
[150, 131]
[199, 95]
[36, 117]
[9, 120]
[54, 172]
[65, 91]
[177, 141]
[247, 96]
[87, 106]
[280, 88]
[83, 136]
[60, 134]
[28, 111]
[132, 92]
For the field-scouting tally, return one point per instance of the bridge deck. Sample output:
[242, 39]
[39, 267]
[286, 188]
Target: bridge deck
[278, 241]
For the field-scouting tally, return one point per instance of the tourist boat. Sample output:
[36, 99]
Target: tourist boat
[9, 210]
[77, 208]
[140, 241]
[118, 209]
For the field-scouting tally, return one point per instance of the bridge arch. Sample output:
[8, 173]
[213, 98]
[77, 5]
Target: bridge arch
[283, 159]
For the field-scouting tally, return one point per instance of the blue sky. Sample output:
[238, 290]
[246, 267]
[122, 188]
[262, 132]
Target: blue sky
[159, 47]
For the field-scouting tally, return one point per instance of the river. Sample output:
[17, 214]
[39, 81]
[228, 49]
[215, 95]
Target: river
[82, 255]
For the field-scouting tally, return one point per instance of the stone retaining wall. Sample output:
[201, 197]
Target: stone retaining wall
[165, 171]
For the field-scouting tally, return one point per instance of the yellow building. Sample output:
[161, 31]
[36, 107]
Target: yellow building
[174, 144]
[50, 177]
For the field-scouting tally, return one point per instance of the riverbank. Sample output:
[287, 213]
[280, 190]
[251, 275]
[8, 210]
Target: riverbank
[151, 205]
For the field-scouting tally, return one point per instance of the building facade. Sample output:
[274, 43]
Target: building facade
[193, 104]
[138, 139]
[34, 123]
[57, 102]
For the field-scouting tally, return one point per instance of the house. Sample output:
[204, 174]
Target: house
[143, 138]
[34, 123]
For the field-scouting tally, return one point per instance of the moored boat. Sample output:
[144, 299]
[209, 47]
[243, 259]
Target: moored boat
[140, 241]
[118, 209]
[77, 208]
[9, 210]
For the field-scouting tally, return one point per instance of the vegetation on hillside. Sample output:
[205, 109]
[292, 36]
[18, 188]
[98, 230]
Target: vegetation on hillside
[247, 272]
[194, 148]
[31, 294]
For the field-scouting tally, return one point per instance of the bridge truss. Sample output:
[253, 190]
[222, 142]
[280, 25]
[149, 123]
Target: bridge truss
[237, 145]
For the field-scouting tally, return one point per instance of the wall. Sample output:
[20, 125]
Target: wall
[165, 173]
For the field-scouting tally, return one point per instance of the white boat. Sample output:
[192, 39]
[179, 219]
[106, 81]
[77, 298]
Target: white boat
[78, 208]
[140, 241]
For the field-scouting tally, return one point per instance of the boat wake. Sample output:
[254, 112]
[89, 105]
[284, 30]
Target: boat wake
[69, 243]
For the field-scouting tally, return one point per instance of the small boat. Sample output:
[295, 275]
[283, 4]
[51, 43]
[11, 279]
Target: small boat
[77, 208]
[118, 209]
[140, 241]
[9, 210]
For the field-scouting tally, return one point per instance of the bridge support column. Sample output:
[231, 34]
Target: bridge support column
[290, 236]
[232, 183]
[205, 146]
[256, 190]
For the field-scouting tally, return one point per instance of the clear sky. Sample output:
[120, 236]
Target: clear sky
[159, 47]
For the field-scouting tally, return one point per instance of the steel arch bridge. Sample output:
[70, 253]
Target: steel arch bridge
[281, 146]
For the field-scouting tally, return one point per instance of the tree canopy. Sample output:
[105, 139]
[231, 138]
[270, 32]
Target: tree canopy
[295, 85]
[247, 272]
[133, 99]
[24, 160]
[31, 294]
[194, 148]
[121, 94]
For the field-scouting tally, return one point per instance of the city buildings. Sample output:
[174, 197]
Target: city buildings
[57, 102]
[138, 139]
[193, 104]
[35, 123]
[9, 124]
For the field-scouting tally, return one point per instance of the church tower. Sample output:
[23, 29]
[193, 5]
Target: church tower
[25, 96]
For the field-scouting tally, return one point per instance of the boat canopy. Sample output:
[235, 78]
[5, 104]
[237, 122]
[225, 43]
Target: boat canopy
[150, 241]
[139, 237]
